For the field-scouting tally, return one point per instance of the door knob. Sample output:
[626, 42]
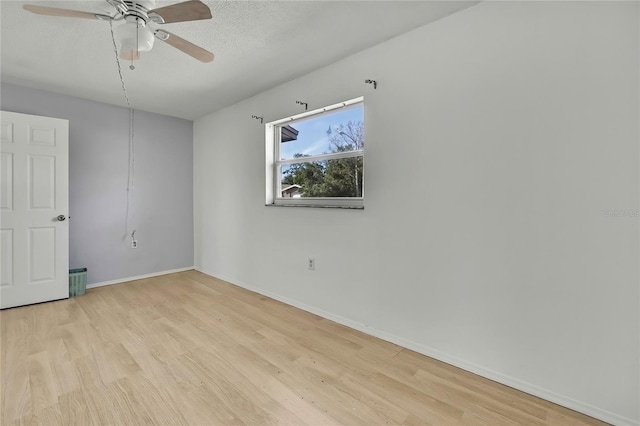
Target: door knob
[61, 218]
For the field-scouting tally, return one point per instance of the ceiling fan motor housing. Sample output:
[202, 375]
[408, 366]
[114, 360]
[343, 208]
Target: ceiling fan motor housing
[134, 9]
[134, 35]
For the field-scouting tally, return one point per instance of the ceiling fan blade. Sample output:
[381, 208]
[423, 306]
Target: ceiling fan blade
[192, 10]
[186, 46]
[54, 11]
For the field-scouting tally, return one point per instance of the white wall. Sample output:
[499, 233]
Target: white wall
[162, 200]
[496, 141]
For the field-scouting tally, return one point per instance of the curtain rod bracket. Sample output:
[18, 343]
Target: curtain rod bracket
[375, 83]
[306, 105]
[257, 118]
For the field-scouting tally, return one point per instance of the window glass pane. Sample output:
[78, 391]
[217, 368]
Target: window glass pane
[326, 133]
[327, 178]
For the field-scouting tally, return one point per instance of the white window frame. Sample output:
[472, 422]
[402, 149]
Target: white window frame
[274, 164]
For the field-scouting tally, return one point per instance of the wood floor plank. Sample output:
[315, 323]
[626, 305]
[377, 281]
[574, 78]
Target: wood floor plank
[266, 376]
[75, 410]
[102, 407]
[87, 372]
[189, 349]
[15, 392]
[114, 362]
[42, 384]
[157, 395]
[128, 404]
[272, 410]
[50, 416]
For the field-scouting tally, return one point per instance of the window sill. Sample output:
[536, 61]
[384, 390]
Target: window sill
[317, 206]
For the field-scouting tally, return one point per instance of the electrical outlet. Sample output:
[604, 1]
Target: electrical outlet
[134, 243]
[311, 264]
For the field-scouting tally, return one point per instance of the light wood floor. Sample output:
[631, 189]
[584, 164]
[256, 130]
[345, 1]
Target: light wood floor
[190, 349]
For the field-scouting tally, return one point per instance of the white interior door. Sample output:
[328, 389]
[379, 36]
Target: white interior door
[34, 203]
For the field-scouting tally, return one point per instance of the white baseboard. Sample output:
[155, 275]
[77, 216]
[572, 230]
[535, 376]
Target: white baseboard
[139, 277]
[529, 388]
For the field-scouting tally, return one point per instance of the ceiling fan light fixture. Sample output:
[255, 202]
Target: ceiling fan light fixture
[134, 37]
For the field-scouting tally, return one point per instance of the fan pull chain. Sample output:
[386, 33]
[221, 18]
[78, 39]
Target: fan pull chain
[115, 50]
[131, 159]
[132, 67]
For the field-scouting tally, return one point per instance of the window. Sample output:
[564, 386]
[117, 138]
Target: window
[317, 158]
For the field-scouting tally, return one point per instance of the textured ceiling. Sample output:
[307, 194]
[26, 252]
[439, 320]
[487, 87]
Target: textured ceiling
[257, 45]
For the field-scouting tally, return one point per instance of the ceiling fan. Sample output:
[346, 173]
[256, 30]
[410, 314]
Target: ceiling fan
[140, 21]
